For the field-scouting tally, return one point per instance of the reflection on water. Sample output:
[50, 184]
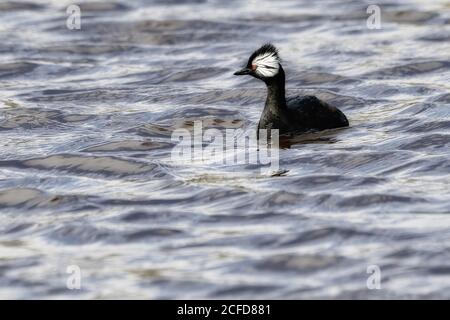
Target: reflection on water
[86, 178]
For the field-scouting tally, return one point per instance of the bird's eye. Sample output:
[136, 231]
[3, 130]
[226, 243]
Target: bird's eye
[254, 66]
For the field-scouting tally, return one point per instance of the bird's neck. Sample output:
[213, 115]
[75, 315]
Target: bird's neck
[276, 98]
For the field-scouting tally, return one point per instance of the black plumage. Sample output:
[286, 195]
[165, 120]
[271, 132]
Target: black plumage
[291, 114]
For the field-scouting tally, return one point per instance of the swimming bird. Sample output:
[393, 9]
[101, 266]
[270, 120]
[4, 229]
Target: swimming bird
[293, 114]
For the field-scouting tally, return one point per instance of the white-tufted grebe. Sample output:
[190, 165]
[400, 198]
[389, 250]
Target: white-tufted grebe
[293, 114]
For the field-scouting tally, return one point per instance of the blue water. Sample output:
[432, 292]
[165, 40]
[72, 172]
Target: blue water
[86, 176]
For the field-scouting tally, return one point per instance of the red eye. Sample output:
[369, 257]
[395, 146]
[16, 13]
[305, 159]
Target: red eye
[254, 67]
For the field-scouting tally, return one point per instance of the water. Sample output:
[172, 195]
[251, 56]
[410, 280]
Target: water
[86, 177]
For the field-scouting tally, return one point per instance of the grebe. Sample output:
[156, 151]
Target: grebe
[292, 114]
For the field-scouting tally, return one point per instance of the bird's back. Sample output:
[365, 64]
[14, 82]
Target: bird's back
[308, 112]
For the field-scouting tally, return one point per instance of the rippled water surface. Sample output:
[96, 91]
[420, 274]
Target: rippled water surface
[86, 176]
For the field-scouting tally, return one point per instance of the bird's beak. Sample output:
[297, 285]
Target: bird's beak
[242, 72]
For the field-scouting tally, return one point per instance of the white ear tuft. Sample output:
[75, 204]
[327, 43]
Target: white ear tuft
[267, 64]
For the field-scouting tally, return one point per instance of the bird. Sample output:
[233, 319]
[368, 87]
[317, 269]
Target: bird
[290, 115]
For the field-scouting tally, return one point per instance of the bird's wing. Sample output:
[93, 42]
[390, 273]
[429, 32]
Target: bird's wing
[313, 112]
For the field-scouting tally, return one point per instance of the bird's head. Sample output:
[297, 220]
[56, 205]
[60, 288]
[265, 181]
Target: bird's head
[263, 64]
